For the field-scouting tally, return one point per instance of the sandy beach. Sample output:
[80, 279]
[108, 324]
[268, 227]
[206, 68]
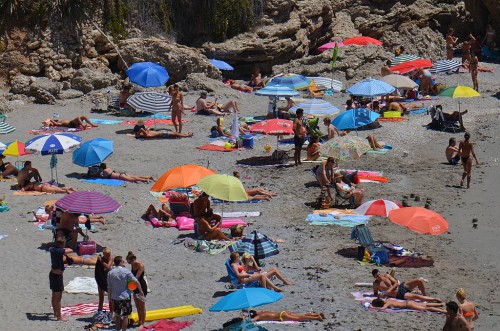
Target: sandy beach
[465, 257]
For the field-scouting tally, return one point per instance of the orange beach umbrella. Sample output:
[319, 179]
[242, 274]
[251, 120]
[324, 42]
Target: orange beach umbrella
[182, 176]
[419, 220]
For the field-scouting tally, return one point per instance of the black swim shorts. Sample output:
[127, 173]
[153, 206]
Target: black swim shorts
[401, 291]
[122, 308]
[298, 141]
[56, 282]
[203, 112]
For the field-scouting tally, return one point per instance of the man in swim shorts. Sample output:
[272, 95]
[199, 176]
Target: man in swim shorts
[70, 226]
[451, 152]
[57, 254]
[202, 209]
[394, 289]
[466, 150]
[118, 279]
[26, 174]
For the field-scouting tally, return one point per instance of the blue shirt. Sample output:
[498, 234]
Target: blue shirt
[56, 258]
[118, 279]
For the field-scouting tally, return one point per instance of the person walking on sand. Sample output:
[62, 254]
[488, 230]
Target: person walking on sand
[298, 138]
[466, 150]
[177, 107]
[118, 280]
[57, 255]
[454, 320]
[467, 308]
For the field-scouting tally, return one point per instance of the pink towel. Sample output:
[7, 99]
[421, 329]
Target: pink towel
[83, 309]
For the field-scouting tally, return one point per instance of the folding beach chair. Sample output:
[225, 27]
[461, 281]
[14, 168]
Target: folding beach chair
[315, 91]
[235, 282]
[454, 125]
[363, 235]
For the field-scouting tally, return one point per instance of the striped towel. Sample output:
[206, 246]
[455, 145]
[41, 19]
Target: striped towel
[83, 309]
[330, 84]
[6, 128]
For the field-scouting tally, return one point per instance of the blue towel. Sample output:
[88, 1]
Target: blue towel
[101, 121]
[418, 111]
[344, 220]
[103, 181]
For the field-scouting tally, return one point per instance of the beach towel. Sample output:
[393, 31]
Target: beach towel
[187, 224]
[418, 111]
[53, 129]
[365, 299]
[422, 99]
[167, 325]
[79, 266]
[3, 236]
[28, 193]
[364, 172]
[83, 309]
[4, 208]
[104, 181]
[252, 119]
[44, 226]
[232, 214]
[6, 128]
[151, 122]
[104, 121]
[278, 322]
[215, 148]
[337, 219]
[247, 201]
[391, 119]
[336, 210]
[378, 151]
[85, 285]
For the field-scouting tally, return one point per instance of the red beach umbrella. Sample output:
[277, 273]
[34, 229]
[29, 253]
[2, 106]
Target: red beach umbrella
[379, 207]
[273, 127]
[362, 41]
[408, 66]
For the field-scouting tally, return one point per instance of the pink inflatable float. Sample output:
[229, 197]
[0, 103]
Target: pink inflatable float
[186, 223]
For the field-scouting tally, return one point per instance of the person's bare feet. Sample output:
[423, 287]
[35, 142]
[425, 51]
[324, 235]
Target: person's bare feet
[62, 319]
[288, 283]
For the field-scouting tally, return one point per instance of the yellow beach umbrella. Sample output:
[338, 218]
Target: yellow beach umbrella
[223, 187]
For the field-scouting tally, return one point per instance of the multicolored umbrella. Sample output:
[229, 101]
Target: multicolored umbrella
[221, 64]
[93, 152]
[277, 91]
[332, 84]
[403, 58]
[330, 45]
[256, 244]
[379, 207]
[292, 81]
[246, 298]
[361, 41]
[147, 74]
[345, 148]
[88, 202]
[273, 127]
[49, 144]
[15, 148]
[370, 87]
[223, 187]
[399, 81]
[318, 107]
[408, 66]
[459, 92]
[182, 176]
[355, 118]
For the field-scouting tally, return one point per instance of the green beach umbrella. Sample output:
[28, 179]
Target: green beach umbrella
[223, 187]
[459, 92]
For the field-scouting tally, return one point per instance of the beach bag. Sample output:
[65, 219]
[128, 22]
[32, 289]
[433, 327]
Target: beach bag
[380, 257]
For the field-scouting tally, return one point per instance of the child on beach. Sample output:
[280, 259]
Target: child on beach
[467, 308]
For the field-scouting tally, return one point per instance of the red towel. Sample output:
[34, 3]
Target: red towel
[167, 325]
[394, 119]
[83, 309]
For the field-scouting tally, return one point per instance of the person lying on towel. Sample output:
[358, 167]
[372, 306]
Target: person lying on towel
[285, 315]
[148, 134]
[391, 303]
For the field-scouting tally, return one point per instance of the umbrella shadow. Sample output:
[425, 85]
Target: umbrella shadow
[219, 294]
[224, 279]
[312, 184]
[257, 161]
[39, 316]
[125, 131]
[45, 246]
[76, 175]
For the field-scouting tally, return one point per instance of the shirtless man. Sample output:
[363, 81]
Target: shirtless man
[391, 303]
[148, 134]
[69, 225]
[332, 130]
[402, 291]
[81, 121]
[466, 149]
[201, 209]
[451, 152]
[204, 107]
[27, 173]
[454, 320]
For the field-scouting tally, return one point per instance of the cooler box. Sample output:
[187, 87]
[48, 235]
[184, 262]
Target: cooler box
[248, 141]
[87, 248]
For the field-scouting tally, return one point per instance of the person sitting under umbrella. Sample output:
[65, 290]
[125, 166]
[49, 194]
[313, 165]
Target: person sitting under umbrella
[285, 315]
[164, 134]
[332, 130]
[202, 209]
[208, 232]
[108, 173]
[204, 107]
[78, 122]
[122, 99]
[70, 226]
[245, 278]
[27, 173]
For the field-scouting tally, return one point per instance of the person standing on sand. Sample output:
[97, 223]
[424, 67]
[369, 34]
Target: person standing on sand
[102, 267]
[57, 254]
[466, 150]
[473, 68]
[139, 272]
[118, 279]
[450, 42]
[467, 308]
[177, 107]
[298, 138]
[454, 320]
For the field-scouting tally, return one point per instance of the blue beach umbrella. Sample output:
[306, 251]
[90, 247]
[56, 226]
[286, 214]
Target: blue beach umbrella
[293, 81]
[370, 88]
[93, 152]
[57, 143]
[316, 107]
[2, 147]
[221, 64]
[246, 298]
[354, 118]
[277, 91]
[147, 74]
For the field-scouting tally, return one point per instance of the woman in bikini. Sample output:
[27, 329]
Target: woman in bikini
[208, 232]
[473, 68]
[246, 278]
[6, 168]
[313, 149]
[392, 303]
[108, 173]
[47, 188]
[285, 315]
[450, 42]
[325, 174]
[78, 122]
[467, 308]
[139, 272]
[251, 267]
[177, 107]
[346, 191]
[149, 134]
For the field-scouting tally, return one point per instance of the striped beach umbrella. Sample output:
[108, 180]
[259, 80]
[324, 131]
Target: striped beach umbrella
[370, 87]
[88, 202]
[293, 81]
[444, 66]
[316, 107]
[57, 143]
[277, 91]
[150, 101]
[361, 41]
[222, 65]
[331, 84]
[147, 74]
[6, 128]
[403, 58]
[256, 244]
[379, 207]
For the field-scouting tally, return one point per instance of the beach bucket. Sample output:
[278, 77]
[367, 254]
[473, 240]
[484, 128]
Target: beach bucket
[248, 141]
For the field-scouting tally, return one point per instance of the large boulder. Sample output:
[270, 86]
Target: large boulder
[200, 82]
[5, 106]
[87, 80]
[42, 96]
[484, 11]
[20, 85]
[177, 59]
[70, 94]
[46, 84]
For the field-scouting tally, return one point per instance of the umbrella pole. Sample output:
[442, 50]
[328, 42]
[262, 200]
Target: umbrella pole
[415, 248]
[255, 248]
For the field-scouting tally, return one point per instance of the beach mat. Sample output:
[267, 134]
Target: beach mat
[342, 220]
[394, 261]
[52, 130]
[104, 121]
[232, 214]
[378, 151]
[247, 201]
[104, 181]
[391, 119]
[278, 322]
[215, 148]
[167, 325]
[83, 309]
[151, 122]
[418, 111]
[85, 285]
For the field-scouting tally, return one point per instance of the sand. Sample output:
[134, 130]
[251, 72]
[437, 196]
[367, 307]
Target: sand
[464, 257]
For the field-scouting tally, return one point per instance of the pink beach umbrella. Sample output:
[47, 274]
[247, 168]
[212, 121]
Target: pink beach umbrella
[377, 207]
[330, 45]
